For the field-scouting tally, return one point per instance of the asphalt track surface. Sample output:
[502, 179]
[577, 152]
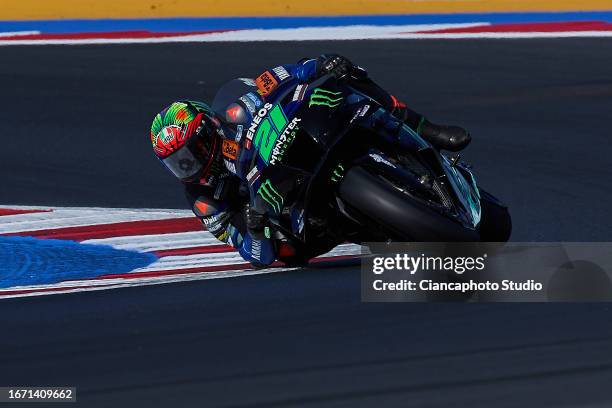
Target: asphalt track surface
[75, 132]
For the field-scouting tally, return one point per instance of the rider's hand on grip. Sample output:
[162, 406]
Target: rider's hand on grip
[334, 64]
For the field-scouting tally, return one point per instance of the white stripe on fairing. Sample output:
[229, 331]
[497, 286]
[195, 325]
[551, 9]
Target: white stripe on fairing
[19, 33]
[62, 218]
[158, 242]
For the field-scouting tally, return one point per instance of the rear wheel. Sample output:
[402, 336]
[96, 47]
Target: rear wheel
[396, 212]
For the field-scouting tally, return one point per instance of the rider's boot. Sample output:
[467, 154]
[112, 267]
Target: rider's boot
[452, 138]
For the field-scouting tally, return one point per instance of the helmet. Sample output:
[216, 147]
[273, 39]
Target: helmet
[185, 139]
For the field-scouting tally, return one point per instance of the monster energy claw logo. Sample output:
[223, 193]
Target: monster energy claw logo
[270, 195]
[323, 97]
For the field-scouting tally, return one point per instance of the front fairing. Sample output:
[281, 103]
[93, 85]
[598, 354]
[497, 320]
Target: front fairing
[464, 185]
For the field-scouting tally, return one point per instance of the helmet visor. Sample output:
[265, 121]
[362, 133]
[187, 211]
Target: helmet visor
[183, 163]
[195, 158]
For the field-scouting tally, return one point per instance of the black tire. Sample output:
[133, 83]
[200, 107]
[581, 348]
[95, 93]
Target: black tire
[396, 212]
[496, 222]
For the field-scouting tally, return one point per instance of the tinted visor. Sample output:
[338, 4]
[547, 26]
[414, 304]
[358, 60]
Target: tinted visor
[183, 163]
[194, 159]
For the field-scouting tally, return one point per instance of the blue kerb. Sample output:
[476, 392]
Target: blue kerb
[31, 261]
[236, 23]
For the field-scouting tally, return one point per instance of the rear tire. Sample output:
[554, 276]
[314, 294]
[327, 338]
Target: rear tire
[403, 217]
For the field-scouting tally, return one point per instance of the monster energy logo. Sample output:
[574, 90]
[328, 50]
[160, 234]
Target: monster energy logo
[323, 97]
[270, 195]
[338, 173]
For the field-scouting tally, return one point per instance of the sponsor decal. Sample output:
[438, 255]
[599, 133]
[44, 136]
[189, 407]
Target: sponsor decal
[250, 105]
[256, 249]
[323, 97]
[239, 130]
[338, 173]
[253, 175]
[285, 140]
[248, 81]
[364, 110]
[378, 158]
[270, 123]
[299, 93]
[233, 113]
[257, 120]
[167, 134]
[271, 196]
[201, 208]
[256, 100]
[230, 165]
[247, 144]
[211, 221]
[300, 221]
[266, 83]
[230, 149]
[224, 237]
[360, 112]
[281, 73]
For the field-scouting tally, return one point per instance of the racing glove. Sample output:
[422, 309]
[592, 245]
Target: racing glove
[334, 64]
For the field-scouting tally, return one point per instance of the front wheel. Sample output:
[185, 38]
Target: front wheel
[398, 214]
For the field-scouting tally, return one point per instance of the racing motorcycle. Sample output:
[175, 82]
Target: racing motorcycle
[335, 166]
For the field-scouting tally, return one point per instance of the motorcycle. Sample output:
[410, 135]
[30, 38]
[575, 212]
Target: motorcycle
[335, 166]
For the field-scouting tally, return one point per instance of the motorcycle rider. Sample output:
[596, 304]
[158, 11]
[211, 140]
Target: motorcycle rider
[198, 144]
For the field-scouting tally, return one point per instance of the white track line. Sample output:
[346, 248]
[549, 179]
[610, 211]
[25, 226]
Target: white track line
[158, 242]
[125, 209]
[193, 261]
[407, 32]
[224, 258]
[63, 218]
[19, 33]
[116, 283]
[106, 284]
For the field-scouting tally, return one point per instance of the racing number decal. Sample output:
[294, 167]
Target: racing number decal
[269, 131]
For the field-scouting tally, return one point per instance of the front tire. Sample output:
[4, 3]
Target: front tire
[397, 213]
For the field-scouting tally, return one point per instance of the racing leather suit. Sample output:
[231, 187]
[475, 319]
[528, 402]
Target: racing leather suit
[222, 203]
